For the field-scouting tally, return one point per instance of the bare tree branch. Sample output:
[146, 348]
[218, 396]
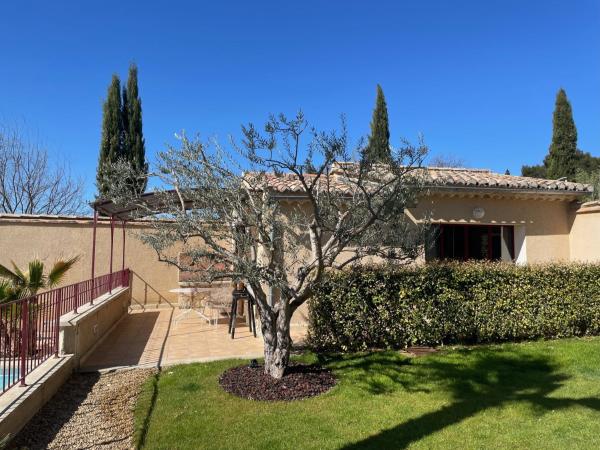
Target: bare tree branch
[29, 184]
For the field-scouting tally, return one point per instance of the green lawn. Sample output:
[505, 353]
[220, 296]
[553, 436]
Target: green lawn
[530, 395]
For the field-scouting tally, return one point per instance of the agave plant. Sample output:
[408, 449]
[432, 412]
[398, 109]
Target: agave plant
[17, 283]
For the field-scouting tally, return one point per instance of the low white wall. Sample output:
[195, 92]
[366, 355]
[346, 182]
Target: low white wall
[80, 333]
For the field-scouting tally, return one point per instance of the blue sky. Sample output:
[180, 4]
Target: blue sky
[477, 78]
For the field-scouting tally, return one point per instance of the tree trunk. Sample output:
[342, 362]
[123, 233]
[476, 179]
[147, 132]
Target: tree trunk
[277, 340]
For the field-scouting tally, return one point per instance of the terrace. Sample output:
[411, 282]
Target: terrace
[96, 324]
[156, 338]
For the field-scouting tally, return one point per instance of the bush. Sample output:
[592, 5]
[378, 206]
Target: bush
[447, 303]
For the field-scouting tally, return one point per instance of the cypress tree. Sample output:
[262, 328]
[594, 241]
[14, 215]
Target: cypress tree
[134, 144]
[378, 148]
[563, 157]
[111, 147]
[125, 120]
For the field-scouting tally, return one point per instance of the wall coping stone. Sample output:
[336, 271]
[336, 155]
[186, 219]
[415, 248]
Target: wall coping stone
[72, 318]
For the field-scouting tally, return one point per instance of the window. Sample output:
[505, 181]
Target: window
[463, 242]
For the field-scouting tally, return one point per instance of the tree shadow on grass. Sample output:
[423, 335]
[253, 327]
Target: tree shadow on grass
[475, 380]
[375, 372]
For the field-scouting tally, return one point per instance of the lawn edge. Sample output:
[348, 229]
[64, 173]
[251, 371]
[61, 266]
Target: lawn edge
[144, 406]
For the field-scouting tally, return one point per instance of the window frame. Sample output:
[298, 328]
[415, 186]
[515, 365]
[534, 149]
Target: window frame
[491, 228]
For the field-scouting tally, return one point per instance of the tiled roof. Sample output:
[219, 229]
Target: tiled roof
[436, 177]
[440, 176]
[289, 183]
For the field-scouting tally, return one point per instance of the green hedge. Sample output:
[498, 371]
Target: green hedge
[454, 303]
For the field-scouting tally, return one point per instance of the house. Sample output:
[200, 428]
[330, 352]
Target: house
[485, 215]
[480, 214]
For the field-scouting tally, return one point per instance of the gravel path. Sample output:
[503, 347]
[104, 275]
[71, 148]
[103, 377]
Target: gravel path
[90, 411]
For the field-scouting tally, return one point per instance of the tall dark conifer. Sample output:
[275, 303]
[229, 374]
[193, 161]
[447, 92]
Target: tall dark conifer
[111, 146]
[122, 136]
[563, 157]
[134, 144]
[378, 148]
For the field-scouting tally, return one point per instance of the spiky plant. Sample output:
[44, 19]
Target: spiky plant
[17, 283]
[7, 293]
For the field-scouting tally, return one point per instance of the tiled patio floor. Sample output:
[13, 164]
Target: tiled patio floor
[155, 337]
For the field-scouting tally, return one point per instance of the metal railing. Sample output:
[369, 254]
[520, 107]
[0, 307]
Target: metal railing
[29, 327]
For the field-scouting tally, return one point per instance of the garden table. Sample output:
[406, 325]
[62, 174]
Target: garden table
[193, 306]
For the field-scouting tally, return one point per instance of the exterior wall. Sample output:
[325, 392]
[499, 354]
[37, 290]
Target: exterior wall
[585, 233]
[23, 238]
[542, 227]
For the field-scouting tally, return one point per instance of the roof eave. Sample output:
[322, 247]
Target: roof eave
[491, 190]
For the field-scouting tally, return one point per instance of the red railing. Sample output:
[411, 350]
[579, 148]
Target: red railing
[29, 327]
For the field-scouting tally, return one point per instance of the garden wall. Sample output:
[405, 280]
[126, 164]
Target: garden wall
[24, 237]
[454, 303]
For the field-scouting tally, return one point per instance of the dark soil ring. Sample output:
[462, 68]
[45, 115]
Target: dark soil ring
[300, 381]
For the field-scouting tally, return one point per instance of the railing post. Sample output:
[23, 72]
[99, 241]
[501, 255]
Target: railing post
[93, 289]
[76, 297]
[24, 339]
[94, 250]
[123, 262]
[112, 235]
[57, 321]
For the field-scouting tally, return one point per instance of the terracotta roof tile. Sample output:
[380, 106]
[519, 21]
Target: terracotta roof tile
[451, 177]
[433, 177]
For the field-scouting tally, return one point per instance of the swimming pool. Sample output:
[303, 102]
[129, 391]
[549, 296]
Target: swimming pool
[9, 377]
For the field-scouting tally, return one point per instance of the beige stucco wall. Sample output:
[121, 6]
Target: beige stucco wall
[22, 239]
[585, 233]
[543, 225]
[549, 231]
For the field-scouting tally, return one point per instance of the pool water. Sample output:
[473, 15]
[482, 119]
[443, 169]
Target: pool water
[9, 377]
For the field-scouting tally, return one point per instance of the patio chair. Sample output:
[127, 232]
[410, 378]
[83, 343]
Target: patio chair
[218, 300]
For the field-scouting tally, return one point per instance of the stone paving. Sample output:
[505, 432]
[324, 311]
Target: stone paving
[159, 337]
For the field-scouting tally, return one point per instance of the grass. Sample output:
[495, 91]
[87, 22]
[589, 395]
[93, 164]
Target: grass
[529, 395]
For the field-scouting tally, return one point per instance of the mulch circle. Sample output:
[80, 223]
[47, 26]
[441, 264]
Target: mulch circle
[300, 381]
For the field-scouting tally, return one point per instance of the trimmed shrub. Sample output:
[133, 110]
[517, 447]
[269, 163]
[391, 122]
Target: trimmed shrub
[444, 303]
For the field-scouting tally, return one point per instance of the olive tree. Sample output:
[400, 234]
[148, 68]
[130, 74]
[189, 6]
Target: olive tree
[252, 212]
